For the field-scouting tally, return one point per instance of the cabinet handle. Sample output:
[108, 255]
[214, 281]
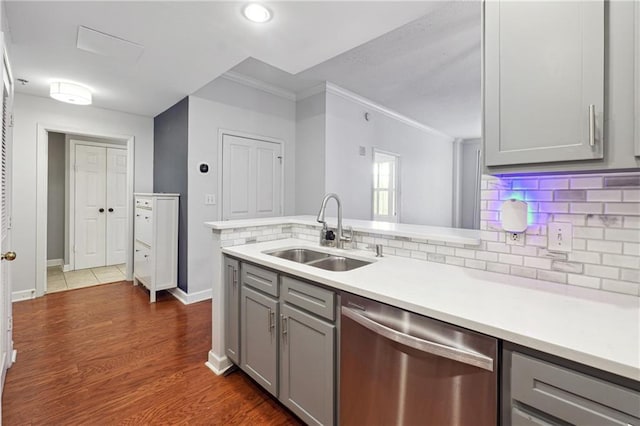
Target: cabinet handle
[592, 125]
[110, 210]
[146, 217]
[235, 277]
[137, 215]
[146, 255]
[284, 326]
[272, 321]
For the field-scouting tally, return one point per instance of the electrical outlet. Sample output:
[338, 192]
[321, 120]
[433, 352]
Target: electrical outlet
[515, 238]
[560, 237]
[210, 199]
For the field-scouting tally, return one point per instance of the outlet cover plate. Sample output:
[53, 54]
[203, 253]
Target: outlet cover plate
[515, 238]
[560, 237]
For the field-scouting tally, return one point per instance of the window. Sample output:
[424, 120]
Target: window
[385, 187]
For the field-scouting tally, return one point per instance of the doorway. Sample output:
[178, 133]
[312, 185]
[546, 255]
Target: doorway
[87, 211]
[252, 175]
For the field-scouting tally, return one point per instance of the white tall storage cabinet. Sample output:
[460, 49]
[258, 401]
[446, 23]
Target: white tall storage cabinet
[155, 260]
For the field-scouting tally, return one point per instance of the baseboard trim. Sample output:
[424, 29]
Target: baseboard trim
[218, 365]
[17, 296]
[189, 298]
[54, 262]
[66, 268]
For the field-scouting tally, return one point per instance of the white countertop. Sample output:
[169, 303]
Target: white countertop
[434, 233]
[595, 328]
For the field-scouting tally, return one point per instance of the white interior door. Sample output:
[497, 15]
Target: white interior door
[6, 338]
[251, 178]
[116, 193]
[90, 212]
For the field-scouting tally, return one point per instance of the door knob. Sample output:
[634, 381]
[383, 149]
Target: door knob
[101, 210]
[110, 210]
[10, 255]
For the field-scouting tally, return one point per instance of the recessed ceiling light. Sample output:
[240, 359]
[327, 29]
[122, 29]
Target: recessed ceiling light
[70, 93]
[255, 12]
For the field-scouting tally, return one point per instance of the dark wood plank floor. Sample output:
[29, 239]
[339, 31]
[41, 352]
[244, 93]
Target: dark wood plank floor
[104, 355]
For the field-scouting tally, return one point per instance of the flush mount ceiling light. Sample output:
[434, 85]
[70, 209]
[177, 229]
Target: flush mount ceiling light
[255, 12]
[70, 93]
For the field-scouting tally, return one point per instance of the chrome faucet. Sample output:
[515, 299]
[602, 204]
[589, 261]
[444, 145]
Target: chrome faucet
[340, 238]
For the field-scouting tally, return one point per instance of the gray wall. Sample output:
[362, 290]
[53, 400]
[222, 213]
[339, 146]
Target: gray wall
[170, 136]
[56, 197]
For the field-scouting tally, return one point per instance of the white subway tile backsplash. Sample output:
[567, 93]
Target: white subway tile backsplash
[554, 184]
[604, 246]
[625, 287]
[622, 208]
[510, 259]
[583, 281]
[606, 233]
[586, 182]
[628, 235]
[602, 271]
[604, 195]
[586, 208]
[621, 261]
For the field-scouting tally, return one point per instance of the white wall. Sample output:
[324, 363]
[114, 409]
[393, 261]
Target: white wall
[224, 104]
[310, 153]
[29, 111]
[426, 163]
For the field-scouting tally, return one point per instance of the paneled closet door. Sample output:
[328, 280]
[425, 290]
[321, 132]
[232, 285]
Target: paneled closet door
[90, 212]
[116, 206]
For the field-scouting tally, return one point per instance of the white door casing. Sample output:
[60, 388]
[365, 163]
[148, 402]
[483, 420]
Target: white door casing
[251, 178]
[6, 338]
[90, 213]
[116, 228]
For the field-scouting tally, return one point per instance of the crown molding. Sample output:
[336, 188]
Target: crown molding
[259, 85]
[307, 93]
[368, 103]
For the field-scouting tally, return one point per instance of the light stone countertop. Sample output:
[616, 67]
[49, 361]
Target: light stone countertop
[595, 328]
[424, 232]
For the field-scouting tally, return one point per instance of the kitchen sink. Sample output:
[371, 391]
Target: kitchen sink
[339, 263]
[319, 259]
[300, 255]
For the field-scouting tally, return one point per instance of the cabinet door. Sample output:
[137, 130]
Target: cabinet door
[307, 366]
[543, 81]
[259, 343]
[232, 309]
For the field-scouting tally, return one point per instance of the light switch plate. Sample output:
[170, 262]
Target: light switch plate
[210, 199]
[559, 237]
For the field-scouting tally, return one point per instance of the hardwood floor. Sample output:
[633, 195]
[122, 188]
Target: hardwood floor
[104, 355]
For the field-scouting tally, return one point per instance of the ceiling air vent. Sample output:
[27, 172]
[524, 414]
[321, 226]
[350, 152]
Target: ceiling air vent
[108, 45]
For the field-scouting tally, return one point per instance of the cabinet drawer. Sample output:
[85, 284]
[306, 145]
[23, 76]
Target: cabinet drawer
[142, 263]
[312, 298]
[144, 202]
[260, 279]
[143, 231]
[571, 396]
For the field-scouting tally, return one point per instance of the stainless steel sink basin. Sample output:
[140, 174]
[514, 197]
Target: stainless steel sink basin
[319, 259]
[339, 263]
[300, 255]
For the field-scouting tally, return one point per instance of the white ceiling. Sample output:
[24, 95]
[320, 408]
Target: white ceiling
[428, 69]
[186, 44]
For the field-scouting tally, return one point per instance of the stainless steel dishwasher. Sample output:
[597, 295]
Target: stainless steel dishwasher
[400, 368]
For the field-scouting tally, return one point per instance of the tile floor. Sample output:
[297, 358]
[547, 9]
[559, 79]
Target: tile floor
[61, 281]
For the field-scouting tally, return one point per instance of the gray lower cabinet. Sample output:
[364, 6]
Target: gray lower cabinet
[259, 338]
[307, 365]
[287, 337]
[232, 311]
[543, 393]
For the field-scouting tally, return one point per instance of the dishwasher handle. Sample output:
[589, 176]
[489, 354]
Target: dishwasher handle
[460, 355]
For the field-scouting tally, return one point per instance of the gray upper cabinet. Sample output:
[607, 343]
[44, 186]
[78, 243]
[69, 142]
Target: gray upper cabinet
[544, 81]
[259, 338]
[307, 366]
[232, 311]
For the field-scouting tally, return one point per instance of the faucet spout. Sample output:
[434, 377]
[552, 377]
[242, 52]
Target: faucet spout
[321, 217]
